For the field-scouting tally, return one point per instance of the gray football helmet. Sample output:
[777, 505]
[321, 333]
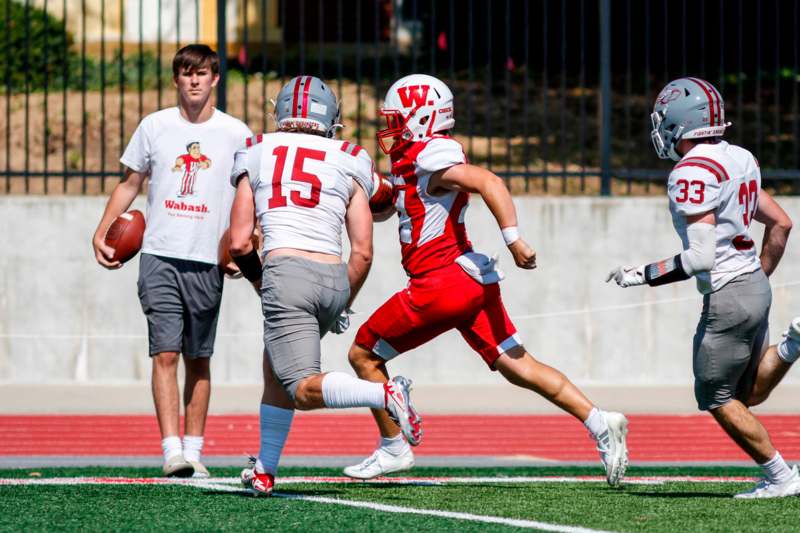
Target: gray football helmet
[307, 104]
[687, 108]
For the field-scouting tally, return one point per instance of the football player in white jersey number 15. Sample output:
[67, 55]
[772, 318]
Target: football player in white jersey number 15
[304, 186]
[714, 195]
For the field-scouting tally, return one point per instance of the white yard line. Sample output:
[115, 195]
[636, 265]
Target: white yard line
[213, 484]
[486, 519]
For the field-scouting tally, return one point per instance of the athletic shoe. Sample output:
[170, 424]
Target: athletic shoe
[380, 463]
[261, 484]
[398, 403]
[767, 489]
[794, 329]
[178, 466]
[200, 471]
[613, 448]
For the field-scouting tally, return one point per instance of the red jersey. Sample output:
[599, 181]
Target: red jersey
[432, 231]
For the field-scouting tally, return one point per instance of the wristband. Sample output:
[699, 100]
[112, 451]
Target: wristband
[510, 235]
[249, 265]
[666, 271]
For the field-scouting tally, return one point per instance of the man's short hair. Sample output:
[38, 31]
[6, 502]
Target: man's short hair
[194, 56]
[189, 146]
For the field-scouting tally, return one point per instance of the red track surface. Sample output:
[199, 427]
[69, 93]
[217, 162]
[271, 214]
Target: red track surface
[651, 438]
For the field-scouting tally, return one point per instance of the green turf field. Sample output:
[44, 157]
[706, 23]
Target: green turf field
[306, 506]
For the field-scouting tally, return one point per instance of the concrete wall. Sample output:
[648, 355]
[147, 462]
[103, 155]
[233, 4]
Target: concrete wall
[65, 320]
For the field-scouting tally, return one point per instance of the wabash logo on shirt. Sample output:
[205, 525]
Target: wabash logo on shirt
[190, 163]
[414, 95]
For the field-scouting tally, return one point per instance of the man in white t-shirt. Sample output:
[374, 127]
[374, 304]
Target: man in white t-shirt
[714, 195]
[186, 153]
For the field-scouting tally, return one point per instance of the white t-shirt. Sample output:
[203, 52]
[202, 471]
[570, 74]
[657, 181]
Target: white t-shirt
[189, 196]
[302, 185]
[725, 179]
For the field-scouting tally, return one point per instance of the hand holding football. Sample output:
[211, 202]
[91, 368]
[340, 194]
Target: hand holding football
[125, 235]
[382, 194]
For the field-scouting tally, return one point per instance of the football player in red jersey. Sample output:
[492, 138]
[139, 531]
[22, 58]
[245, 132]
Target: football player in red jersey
[450, 285]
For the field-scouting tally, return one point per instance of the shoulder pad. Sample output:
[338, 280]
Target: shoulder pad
[711, 166]
[252, 141]
[350, 148]
[439, 153]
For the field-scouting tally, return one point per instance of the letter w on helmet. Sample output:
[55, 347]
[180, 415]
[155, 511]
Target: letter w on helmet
[415, 108]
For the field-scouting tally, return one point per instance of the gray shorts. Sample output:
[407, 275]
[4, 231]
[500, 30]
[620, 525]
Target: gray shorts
[181, 301]
[730, 339]
[301, 300]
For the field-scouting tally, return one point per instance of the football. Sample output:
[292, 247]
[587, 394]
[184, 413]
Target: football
[226, 260]
[125, 235]
[382, 194]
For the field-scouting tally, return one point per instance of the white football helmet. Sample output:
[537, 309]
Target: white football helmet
[415, 107]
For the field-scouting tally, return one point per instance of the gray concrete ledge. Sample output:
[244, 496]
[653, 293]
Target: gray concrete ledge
[475, 399]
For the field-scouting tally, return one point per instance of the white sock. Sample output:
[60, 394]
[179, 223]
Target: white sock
[192, 447]
[396, 445]
[596, 423]
[340, 390]
[776, 469]
[275, 424]
[171, 446]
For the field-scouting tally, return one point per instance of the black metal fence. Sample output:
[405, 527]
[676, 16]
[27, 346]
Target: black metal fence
[552, 95]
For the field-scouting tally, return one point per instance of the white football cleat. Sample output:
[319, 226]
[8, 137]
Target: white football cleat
[248, 473]
[398, 403]
[767, 489]
[613, 447]
[200, 470]
[380, 463]
[789, 347]
[177, 466]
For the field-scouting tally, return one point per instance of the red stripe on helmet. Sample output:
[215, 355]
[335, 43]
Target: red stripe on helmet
[295, 95]
[306, 88]
[710, 100]
[720, 120]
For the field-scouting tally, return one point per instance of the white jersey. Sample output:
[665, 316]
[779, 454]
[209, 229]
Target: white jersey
[725, 179]
[302, 185]
[188, 197]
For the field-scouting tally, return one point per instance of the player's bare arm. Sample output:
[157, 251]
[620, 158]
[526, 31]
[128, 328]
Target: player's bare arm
[472, 179]
[121, 199]
[698, 257]
[241, 231]
[358, 222]
[178, 165]
[776, 231]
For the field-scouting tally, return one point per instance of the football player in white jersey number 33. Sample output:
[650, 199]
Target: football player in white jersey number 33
[714, 195]
[304, 186]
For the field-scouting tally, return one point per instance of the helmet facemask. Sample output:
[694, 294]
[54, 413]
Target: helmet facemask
[395, 130]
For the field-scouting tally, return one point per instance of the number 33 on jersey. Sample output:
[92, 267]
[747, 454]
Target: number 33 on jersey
[302, 185]
[725, 179]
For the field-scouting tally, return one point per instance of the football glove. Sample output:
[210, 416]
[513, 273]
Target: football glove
[627, 276]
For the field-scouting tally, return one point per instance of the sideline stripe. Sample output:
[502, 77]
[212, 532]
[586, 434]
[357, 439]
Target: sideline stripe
[312, 480]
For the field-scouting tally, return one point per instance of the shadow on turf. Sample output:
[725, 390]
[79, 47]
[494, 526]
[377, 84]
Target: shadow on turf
[682, 494]
[246, 494]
